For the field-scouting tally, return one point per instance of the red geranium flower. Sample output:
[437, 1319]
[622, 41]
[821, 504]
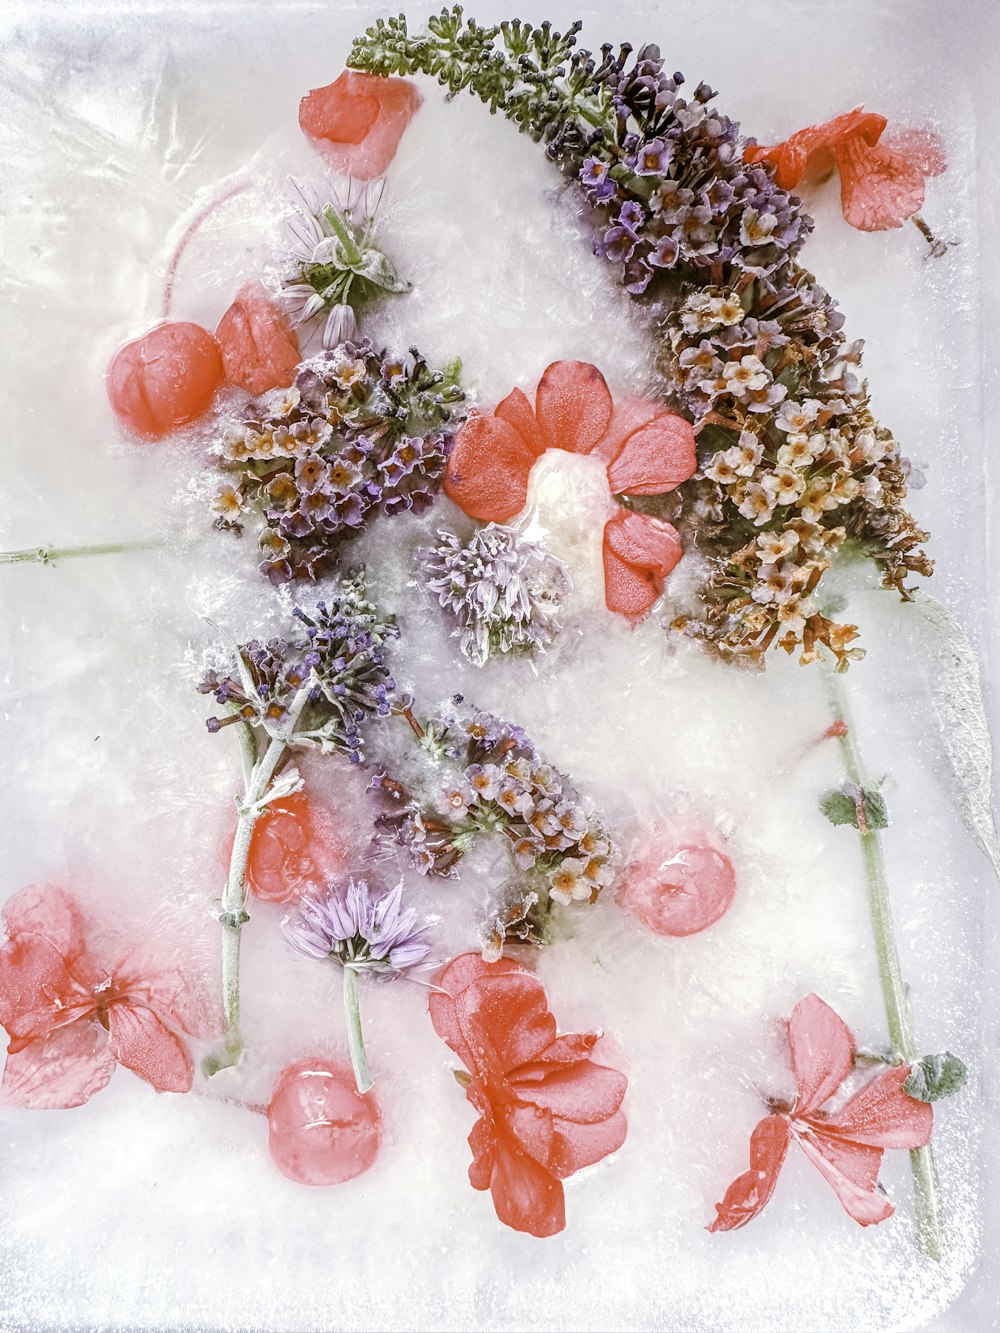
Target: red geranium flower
[357, 121]
[546, 1109]
[646, 451]
[846, 1145]
[71, 1017]
[881, 184]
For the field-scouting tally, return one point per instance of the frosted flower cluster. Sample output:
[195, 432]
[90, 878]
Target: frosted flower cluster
[360, 929]
[361, 432]
[502, 592]
[501, 785]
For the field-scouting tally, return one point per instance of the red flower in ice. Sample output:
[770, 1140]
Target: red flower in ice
[357, 121]
[846, 1145]
[71, 1017]
[646, 451]
[881, 183]
[546, 1109]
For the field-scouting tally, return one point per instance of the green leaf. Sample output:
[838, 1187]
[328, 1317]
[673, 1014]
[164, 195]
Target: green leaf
[841, 807]
[378, 269]
[936, 1076]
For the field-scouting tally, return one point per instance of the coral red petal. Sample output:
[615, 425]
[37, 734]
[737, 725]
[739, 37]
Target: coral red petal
[63, 1069]
[165, 379]
[452, 980]
[573, 406]
[140, 1041]
[584, 1093]
[808, 152]
[526, 1196]
[488, 470]
[868, 1206]
[859, 1162]
[924, 149]
[259, 348]
[517, 411]
[655, 458]
[749, 1193]
[49, 912]
[639, 553]
[628, 417]
[578, 1145]
[38, 992]
[511, 1013]
[482, 1143]
[822, 1052]
[883, 1114]
[879, 189]
[357, 121]
[321, 1130]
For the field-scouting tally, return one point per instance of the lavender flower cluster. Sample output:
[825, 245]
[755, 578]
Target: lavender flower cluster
[503, 593]
[360, 929]
[501, 785]
[361, 432]
[323, 685]
[675, 188]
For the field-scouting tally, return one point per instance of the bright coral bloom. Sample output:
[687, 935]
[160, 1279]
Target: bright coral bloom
[72, 1017]
[165, 379]
[357, 121]
[645, 449]
[259, 348]
[846, 1145]
[881, 183]
[546, 1109]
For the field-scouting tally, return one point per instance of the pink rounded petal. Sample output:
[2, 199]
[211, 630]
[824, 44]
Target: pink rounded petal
[451, 981]
[883, 1114]
[49, 912]
[509, 1013]
[573, 406]
[579, 1145]
[569, 1048]
[321, 1130]
[678, 889]
[655, 458]
[63, 1069]
[482, 1141]
[517, 411]
[639, 553]
[259, 348]
[879, 189]
[526, 1196]
[141, 1041]
[749, 1193]
[628, 417]
[923, 148]
[822, 1052]
[584, 1093]
[488, 470]
[357, 121]
[38, 992]
[860, 1163]
[165, 379]
[808, 153]
[841, 1167]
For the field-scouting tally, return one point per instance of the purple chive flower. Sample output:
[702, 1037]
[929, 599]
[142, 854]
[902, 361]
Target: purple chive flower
[359, 929]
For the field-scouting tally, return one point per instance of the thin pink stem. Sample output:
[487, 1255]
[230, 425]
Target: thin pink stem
[189, 233]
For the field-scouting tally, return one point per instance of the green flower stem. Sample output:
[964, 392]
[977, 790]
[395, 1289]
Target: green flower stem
[233, 916]
[48, 555]
[895, 992]
[352, 253]
[355, 1036]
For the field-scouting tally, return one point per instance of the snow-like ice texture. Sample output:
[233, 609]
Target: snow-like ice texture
[139, 1211]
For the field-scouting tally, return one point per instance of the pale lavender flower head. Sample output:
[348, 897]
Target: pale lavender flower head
[359, 928]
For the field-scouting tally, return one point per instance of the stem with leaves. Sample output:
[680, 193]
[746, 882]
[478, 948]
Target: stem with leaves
[895, 992]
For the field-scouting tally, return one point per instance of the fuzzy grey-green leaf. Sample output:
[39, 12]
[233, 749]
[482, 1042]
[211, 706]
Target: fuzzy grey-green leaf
[936, 1076]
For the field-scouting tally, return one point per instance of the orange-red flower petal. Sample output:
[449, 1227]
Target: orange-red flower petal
[808, 153]
[748, 1193]
[140, 1040]
[259, 348]
[165, 379]
[488, 469]
[879, 189]
[882, 1114]
[851, 1171]
[357, 121]
[64, 1068]
[655, 458]
[822, 1052]
[639, 553]
[573, 406]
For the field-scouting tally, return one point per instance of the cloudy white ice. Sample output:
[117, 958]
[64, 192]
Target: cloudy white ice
[147, 1211]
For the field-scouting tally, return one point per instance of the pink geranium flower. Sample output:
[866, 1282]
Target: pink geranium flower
[844, 1145]
[881, 180]
[357, 121]
[646, 450]
[73, 1014]
[546, 1109]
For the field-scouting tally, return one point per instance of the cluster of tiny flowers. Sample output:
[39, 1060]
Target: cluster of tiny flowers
[319, 687]
[503, 593]
[501, 785]
[674, 189]
[361, 432]
[360, 929]
[790, 449]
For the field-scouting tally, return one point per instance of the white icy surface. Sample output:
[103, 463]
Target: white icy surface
[160, 1212]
